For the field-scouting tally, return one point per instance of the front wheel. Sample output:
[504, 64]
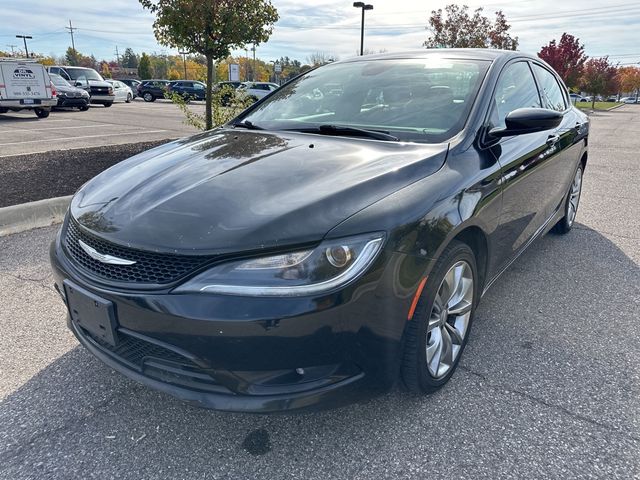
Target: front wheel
[571, 204]
[84, 108]
[438, 331]
[147, 97]
[129, 98]
[41, 113]
[107, 105]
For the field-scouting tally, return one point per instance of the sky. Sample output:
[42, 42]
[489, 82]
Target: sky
[333, 27]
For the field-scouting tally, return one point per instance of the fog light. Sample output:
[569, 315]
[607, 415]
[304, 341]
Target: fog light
[338, 256]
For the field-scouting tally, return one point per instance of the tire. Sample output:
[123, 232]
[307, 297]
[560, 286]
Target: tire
[4, 110]
[107, 105]
[129, 98]
[430, 326]
[571, 204]
[84, 109]
[41, 113]
[148, 97]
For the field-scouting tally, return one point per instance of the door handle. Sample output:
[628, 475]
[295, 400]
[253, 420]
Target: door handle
[553, 139]
[578, 127]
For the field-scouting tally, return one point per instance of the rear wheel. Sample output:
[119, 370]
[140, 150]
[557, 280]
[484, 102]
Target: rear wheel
[42, 113]
[436, 335]
[84, 108]
[571, 204]
[148, 97]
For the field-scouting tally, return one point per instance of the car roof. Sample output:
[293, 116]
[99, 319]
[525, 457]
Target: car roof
[71, 66]
[489, 54]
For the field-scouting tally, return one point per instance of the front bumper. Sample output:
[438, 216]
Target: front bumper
[102, 99]
[255, 354]
[72, 102]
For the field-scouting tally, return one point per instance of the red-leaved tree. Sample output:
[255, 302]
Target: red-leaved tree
[566, 57]
[599, 77]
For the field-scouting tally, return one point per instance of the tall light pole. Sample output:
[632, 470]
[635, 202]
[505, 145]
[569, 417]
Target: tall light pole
[24, 38]
[184, 62]
[363, 6]
[253, 70]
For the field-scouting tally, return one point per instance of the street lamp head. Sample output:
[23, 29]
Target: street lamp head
[358, 4]
[368, 7]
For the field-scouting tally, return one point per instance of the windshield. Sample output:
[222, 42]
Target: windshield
[83, 74]
[422, 100]
[58, 81]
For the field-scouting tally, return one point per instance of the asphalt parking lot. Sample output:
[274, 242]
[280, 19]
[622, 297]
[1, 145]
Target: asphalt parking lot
[549, 386]
[138, 121]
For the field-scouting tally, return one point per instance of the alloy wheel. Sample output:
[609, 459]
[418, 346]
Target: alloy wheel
[449, 319]
[574, 197]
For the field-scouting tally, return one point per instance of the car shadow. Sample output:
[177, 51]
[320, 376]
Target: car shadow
[546, 341]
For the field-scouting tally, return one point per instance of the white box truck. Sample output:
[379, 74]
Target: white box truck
[25, 84]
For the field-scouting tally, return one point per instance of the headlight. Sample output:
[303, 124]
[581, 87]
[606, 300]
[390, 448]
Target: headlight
[331, 265]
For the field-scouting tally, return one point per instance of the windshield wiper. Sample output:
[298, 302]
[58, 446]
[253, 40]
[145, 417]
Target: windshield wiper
[248, 125]
[343, 130]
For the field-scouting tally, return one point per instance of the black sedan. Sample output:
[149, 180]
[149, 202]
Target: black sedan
[328, 241]
[68, 95]
[150, 90]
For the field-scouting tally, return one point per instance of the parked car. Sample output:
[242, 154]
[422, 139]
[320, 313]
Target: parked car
[588, 98]
[612, 98]
[121, 91]
[25, 85]
[188, 89]
[100, 92]
[132, 83]
[150, 90]
[69, 96]
[576, 98]
[628, 100]
[315, 249]
[257, 90]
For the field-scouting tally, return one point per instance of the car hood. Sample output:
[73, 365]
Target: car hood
[65, 89]
[230, 190]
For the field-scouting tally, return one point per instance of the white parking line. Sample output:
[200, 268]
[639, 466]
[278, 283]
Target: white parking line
[84, 136]
[58, 128]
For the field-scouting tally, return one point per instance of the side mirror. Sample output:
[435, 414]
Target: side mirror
[527, 120]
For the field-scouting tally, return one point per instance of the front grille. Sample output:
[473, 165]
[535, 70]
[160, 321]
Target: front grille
[150, 267]
[99, 90]
[156, 362]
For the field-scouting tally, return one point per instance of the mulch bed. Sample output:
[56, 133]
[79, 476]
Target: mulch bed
[26, 178]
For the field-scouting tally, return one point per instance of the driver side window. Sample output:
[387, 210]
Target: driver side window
[515, 89]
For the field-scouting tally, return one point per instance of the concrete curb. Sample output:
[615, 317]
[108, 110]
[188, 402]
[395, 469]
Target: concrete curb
[41, 213]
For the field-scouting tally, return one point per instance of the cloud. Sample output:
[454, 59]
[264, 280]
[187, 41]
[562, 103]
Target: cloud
[325, 25]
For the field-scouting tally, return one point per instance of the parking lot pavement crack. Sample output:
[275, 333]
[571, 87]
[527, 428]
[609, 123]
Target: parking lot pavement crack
[501, 388]
[36, 281]
[15, 453]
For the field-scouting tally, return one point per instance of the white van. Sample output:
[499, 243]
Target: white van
[25, 84]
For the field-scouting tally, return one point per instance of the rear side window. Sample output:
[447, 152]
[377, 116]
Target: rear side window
[550, 89]
[515, 89]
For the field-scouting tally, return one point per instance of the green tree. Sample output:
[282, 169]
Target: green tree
[457, 29]
[72, 57]
[212, 28]
[144, 67]
[129, 59]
